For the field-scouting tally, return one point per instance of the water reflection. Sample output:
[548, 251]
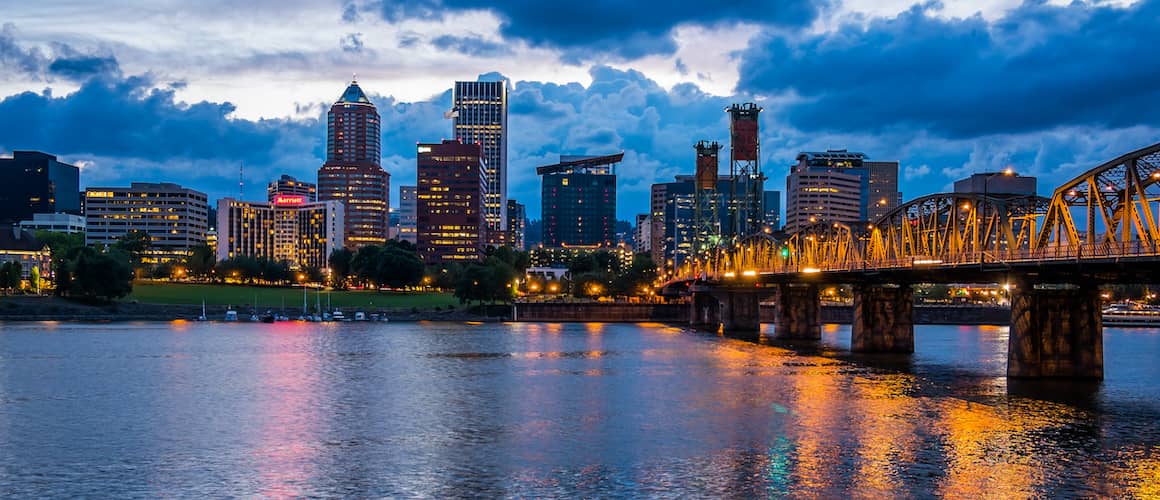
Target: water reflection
[532, 410]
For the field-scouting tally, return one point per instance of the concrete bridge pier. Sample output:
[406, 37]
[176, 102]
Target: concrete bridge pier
[1056, 331]
[704, 311]
[740, 313]
[883, 319]
[798, 315]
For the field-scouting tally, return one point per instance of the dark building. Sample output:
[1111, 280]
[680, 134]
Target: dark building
[1006, 183]
[32, 182]
[771, 203]
[449, 199]
[578, 200]
[517, 224]
[289, 186]
[352, 173]
[480, 110]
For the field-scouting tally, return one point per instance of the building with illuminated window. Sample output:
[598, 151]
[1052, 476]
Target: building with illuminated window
[20, 246]
[517, 216]
[287, 185]
[32, 182]
[175, 218]
[288, 228]
[449, 200]
[56, 223]
[480, 112]
[352, 174]
[839, 186]
[408, 211]
[672, 213]
[578, 200]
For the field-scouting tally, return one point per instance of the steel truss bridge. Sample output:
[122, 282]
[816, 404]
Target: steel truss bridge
[1101, 227]
[1109, 213]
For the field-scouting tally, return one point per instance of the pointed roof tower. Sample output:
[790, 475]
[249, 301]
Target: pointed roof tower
[354, 94]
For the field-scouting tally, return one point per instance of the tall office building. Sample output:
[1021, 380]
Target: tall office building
[286, 229]
[448, 199]
[578, 200]
[289, 186]
[838, 186]
[175, 218]
[771, 203]
[352, 174]
[480, 110]
[642, 234]
[517, 224]
[407, 214]
[32, 182]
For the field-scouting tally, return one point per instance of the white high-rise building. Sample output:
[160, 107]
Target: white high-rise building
[480, 110]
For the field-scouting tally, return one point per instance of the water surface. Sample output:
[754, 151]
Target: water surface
[527, 410]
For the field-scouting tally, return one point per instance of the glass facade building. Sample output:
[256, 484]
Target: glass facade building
[578, 200]
[480, 111]
[32, 182]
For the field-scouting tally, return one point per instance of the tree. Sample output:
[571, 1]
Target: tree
[339, 262]
[492, 280]
[636, 279]
[34, 277]
[10, 276]
[101, 276]
[398, 268]
[201, 261]
[135, 244]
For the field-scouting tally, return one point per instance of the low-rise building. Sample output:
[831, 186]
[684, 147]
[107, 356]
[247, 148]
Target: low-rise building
[21, 247]
[288, 229]
[562, 256]
[57, 223]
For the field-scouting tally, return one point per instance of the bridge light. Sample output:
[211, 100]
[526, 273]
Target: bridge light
[730, 274]
[1072, 193]
[785, 252]
[749, 273]
[811, 270]
[966, 206]
[1156, 175]
[1009, 171]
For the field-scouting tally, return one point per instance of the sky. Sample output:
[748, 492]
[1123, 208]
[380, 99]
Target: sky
[186, 92]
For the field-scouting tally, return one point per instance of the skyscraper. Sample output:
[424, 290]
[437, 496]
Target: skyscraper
[578, 202]
[352, 173]
[448, 220]
[480, 110]
[407, 213]
[517, 224]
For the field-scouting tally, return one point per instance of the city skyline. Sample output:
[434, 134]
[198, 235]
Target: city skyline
[950, 111]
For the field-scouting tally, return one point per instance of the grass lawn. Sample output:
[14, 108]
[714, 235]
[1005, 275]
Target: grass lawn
[239, 295]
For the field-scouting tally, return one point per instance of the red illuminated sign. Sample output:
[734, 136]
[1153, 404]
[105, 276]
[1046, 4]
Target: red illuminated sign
[287, 199]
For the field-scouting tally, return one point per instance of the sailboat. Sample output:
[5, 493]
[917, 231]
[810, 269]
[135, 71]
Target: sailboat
[202, 317]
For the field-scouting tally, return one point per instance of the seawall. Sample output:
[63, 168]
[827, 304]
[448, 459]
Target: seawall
[614, 312]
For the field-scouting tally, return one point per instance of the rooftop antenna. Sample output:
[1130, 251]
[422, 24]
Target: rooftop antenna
[241, 181]
[354, 78]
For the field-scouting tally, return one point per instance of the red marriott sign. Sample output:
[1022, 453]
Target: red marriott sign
[287, 199]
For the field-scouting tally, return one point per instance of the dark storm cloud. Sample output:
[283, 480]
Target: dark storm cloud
[128, 118]
[1041, 66]
[62, 61]
[81, 67]
[583, 30]
[472, 46]
[13, 57]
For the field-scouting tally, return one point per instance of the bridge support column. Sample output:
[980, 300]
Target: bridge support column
[883, 319]
[798, 314]
[740, 314]
[704, 311]
[1056, 331]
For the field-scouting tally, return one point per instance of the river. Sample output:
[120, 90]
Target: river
[567, 410]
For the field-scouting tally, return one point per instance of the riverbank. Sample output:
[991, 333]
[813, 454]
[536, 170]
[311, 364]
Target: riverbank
[30, 308]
